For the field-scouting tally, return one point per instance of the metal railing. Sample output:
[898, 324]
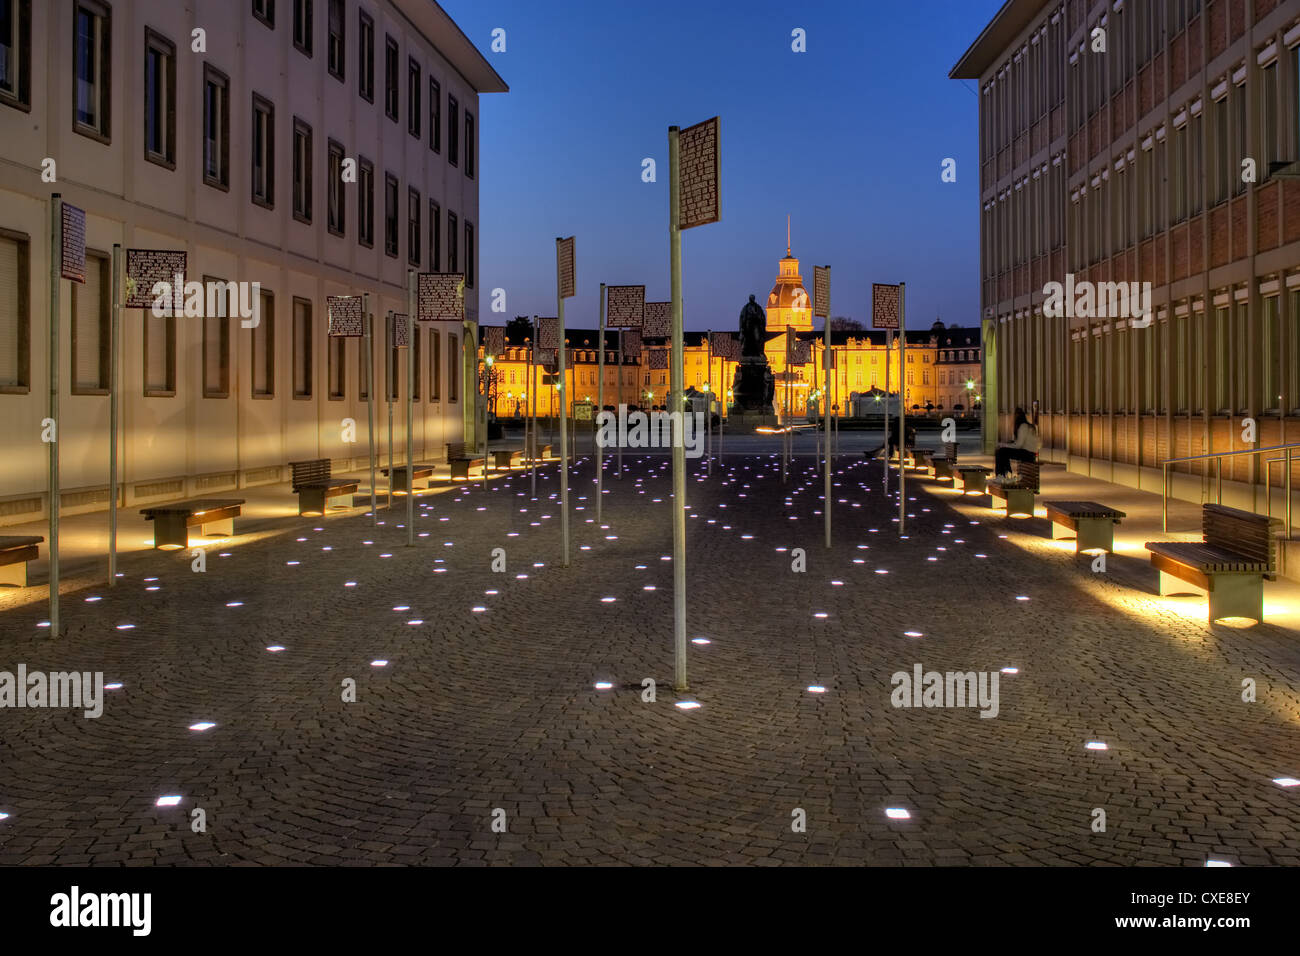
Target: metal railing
[1217, 457]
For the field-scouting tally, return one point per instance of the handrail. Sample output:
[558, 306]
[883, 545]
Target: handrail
[1218, 460]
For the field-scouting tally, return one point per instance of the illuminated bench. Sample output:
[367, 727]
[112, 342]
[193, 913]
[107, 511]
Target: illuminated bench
[172, 523]
[507, 457]
[1091, 524]
[941, 466]
[399, 483]
[1017, 491]
[974, 479]
[314, 485]
[15, 551]
[1238, 551]
[461, 461]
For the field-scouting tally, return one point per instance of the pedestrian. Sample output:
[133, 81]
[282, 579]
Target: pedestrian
[1024, 448]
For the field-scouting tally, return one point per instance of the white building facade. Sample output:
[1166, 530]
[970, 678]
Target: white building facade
[223, 128]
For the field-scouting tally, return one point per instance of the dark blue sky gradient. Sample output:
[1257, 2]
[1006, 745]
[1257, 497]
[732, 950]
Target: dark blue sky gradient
[847, 138]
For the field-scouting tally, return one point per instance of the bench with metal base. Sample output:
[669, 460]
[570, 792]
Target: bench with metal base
[507, 457]
[461, 461]
[543, 453]
[314, 485]
[941, 466]
[1017, 491]
[212, 516]
[921, 457]
[974, 479]
[1239, 550]
[399, 483]
[15, 551]
[1092, 525]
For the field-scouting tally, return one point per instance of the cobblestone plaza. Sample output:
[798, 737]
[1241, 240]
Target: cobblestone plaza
[478, 692]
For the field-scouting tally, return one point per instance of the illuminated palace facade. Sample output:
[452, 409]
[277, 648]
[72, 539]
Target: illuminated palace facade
[1151, 142]
[943, 364]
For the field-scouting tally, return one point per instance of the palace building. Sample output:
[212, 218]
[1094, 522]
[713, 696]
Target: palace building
[1156, 143]
[234, 154]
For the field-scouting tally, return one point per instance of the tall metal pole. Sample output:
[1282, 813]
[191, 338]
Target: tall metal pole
[56, 257]
[889, 358]
[114, 347]
[619, 445]
[826, 467]
[532, 366]
[902, 407]
[370, 400]
[390, 333]
[708, 403]
[600, 410]
[410, 405]
[785, 409]
[563, 415]
[487, 391]
[675, 375]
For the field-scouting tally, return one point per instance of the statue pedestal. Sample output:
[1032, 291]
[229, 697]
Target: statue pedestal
[753, 386]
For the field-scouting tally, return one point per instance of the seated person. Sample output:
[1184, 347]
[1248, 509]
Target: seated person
[1024, 448]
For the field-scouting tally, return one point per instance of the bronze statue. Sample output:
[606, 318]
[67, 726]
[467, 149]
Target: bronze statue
[753, 329]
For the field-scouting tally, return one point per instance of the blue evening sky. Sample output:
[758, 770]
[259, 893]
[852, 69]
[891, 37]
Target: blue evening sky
[847, 138]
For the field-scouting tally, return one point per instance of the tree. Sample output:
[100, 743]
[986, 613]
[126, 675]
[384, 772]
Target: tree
[842, 323]
[518, 329]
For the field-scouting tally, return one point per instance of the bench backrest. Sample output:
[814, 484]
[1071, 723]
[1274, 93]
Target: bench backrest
[1252, 535]
[950, 450]
[307, 472]
[457, 449]
[1026, 474]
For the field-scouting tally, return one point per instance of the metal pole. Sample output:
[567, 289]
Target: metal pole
[114, 348]
[675, 387]
[1290, 535]
[370, 400]
[56, 256]
[600, 410]
[826, 467]
[410, 405]
[619, 445]
[902, 406]
[708, 402]
[390, 333]
[532, 365]
[1165, 504]
[487, 389]
[889, 359]
[563, 414]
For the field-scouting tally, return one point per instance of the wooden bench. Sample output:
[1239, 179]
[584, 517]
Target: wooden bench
[15, 551]
[507, 457]
[461, 461]
[543, 453]
[1092, 525]
[314, 486]
[1239, 550]
[942, 466]
[1017, 491]
[921, 457]
[974, 479]
[171, 523]
[399, 483]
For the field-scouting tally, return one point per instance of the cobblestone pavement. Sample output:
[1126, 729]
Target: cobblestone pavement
[488, 701]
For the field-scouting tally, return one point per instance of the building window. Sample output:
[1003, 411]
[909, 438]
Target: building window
[336, 353]
[435, 364]
[390, 78]
[159, 355]
[469, 254]
[413, 227]
[365, 56]
[302, 25]
[264, 10]
[90, 328]
[92, 58]
[335, 48]
[435, 116]
[302, 348]
[453, 131]
[216, 128]
[365, 202]
[469, 144]
[435, 236]
[1270, 142]
[263, 152]
[451, 241]
[216, 343]
[1270, 381]
[301, 171]
[1224, 171]
[413, 97]
[334, 194]
[390, 214]
[159, 100]
[453, 367]
[263, 349]
[16, 53]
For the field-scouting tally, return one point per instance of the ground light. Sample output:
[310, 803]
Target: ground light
[170, 800]
[897, 813]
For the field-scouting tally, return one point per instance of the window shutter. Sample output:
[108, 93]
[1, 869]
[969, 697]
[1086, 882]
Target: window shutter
[89, 338]
[12, 320]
